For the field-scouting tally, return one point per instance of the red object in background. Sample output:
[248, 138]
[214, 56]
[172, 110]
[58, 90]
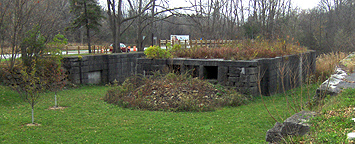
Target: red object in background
[122, 46]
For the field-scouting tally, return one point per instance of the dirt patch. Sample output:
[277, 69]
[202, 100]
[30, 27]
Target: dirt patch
[33, 124]
[56, 108]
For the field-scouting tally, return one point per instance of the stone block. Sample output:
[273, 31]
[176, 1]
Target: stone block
[85, 69]
[74, 70]
[94, 77]
[240, 84]
[84, 63]
[251, 70]
[75, 64]
[74, 76]
[105, 66]
[175, 61]
[248, 90]
[85, 81]
[235, 71]
[84, 58]
[240, 63]
[158, 67]
[207, 62]
[76, 81]
[84, 75]
[73, 59]
[233, 79]
[144, 61]
[222, 74]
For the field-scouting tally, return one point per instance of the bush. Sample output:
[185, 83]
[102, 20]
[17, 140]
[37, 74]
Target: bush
[48, 70]
[155, 52]
[172, 92]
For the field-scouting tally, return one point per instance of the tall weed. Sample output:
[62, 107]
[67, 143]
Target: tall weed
[326, 64]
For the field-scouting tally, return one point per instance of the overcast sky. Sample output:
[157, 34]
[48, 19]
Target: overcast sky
[303, 4]
[306, 4]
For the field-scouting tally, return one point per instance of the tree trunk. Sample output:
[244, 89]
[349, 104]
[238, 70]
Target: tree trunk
[139, 30]
[118, 28]
[112, 20]
[152, 23]
[33, 118]
[55, 99]
[87, 27]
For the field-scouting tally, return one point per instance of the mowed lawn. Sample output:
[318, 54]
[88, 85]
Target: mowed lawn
[88, 119]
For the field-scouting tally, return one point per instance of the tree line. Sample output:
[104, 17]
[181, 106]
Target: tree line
[324, 28]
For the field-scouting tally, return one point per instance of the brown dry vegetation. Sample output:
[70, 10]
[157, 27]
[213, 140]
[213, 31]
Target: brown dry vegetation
[243, 50]
[172, 92]
[326, 64]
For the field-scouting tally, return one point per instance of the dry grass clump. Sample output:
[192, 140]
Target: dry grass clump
[349, 63]
[326, 64]
[242, 50]
[172, 92]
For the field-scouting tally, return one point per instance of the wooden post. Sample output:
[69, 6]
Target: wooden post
[94, 48]
[66, 47]
[78, 49]
[185, 44]
[159, 43]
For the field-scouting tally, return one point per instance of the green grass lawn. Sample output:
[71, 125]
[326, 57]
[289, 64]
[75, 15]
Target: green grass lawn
[88, 119]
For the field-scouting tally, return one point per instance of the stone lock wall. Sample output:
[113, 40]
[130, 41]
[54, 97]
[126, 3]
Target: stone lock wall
[273, 74]
[98, 69]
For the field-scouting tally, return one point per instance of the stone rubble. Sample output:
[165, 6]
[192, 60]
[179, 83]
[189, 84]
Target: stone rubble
[331, 86]
[294, 125]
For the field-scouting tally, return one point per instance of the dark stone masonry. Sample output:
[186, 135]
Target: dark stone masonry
[273, 74]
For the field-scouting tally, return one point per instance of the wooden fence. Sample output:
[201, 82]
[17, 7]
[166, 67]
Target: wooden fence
[95, 49]
[192, 43]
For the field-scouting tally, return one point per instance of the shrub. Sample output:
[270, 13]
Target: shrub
[155, 52]
[172, 92]
[47, 69]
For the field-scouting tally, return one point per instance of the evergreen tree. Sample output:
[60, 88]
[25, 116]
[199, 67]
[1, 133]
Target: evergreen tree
[87, 13]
